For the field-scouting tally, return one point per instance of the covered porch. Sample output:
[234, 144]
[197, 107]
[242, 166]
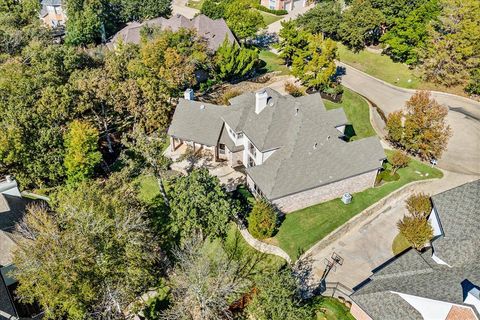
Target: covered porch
[187, 155]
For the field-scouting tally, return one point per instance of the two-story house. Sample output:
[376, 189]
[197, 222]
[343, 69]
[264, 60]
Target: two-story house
[293, 149]
[441, 283]
[53, 13]
[288, 5]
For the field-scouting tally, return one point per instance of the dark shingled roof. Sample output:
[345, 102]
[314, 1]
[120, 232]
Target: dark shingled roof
[295, 165]
[417, 274]
[458, 210]
[214, 31]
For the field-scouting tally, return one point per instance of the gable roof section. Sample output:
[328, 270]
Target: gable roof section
[437, 282]
[214, 31]
[417, 274]
[192, 122]
[458, 210]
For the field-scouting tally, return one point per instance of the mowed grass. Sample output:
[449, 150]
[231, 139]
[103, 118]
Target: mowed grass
[303, 228]
[382, 67]
[379, 66]
[269, 18]
[357, 112]
[273, 62]
[329, 308]
[399, 244]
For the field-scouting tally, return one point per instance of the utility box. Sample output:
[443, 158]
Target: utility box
[188, 94]
[347, 198]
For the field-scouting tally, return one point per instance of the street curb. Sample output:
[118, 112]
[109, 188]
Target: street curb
[407, 90]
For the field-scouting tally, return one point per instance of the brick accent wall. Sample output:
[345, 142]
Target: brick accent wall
[324, 193]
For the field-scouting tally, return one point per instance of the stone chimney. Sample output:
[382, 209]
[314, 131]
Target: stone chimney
[188, 94]
[261, 99]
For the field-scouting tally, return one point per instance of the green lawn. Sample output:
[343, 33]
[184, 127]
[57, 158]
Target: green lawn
[273, 62]
[379, 66]
[382, 67]
[329, 308]
[196, 4]
[269, 18]
[358, 114]
[399, 244]
[302, 229]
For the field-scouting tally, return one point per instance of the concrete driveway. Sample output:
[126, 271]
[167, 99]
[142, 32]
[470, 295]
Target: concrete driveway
[368, 245]
[180, 7]
[463, 151]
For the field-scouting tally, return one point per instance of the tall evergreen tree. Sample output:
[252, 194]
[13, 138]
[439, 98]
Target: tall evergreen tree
[82, 153]
[233, 61]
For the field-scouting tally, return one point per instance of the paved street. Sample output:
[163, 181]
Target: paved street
[368, 245]
[464, 117]
[298, 10]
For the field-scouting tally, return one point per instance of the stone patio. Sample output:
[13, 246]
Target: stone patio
[185, 160]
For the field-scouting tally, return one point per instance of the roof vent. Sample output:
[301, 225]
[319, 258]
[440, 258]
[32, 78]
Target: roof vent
[202, 106]
[315, 145]
[328, 137]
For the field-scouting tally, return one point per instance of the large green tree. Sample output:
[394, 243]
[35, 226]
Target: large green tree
[82, 155]
[90, 256]
[292, 39]
[407, 36]
[361, 24]
[324, 18]
[233, 61]
[269, 291]
[139, 10]
[198, 203]
[35, 107]
[315, 65]
[451, 55]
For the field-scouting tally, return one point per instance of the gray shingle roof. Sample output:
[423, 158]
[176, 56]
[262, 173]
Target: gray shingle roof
[6, 304]
[417, 274]
[192, 122]
[295, 165]
[458, 210]
[214, 31]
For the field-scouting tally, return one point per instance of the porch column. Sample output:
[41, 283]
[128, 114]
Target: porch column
[172, 144]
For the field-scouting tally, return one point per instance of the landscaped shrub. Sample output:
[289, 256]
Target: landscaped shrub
[386, 176]
[262, 221]
[419, 204]
[294, 90]
[229, 94]
[272, 11]
[417, 230]
[398, 160]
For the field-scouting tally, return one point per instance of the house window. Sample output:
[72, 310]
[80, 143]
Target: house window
[272, 4]
[221, 148]
[57, 9]
[251, 162]
[232, 133]
[258, 191]
[252, 149]
[240, 135]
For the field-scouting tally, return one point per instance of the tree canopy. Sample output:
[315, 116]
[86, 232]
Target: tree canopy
[89, 256]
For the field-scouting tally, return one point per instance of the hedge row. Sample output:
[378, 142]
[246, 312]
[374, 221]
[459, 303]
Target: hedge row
[275, 12]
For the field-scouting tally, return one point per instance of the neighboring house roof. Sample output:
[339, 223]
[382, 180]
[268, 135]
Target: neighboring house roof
[214, 31]
[52, 2]
[417, 274]
[7, 309]
[291, 127]
[458, 210]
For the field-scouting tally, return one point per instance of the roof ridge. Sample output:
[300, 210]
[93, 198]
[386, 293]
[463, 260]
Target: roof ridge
[289, 153]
